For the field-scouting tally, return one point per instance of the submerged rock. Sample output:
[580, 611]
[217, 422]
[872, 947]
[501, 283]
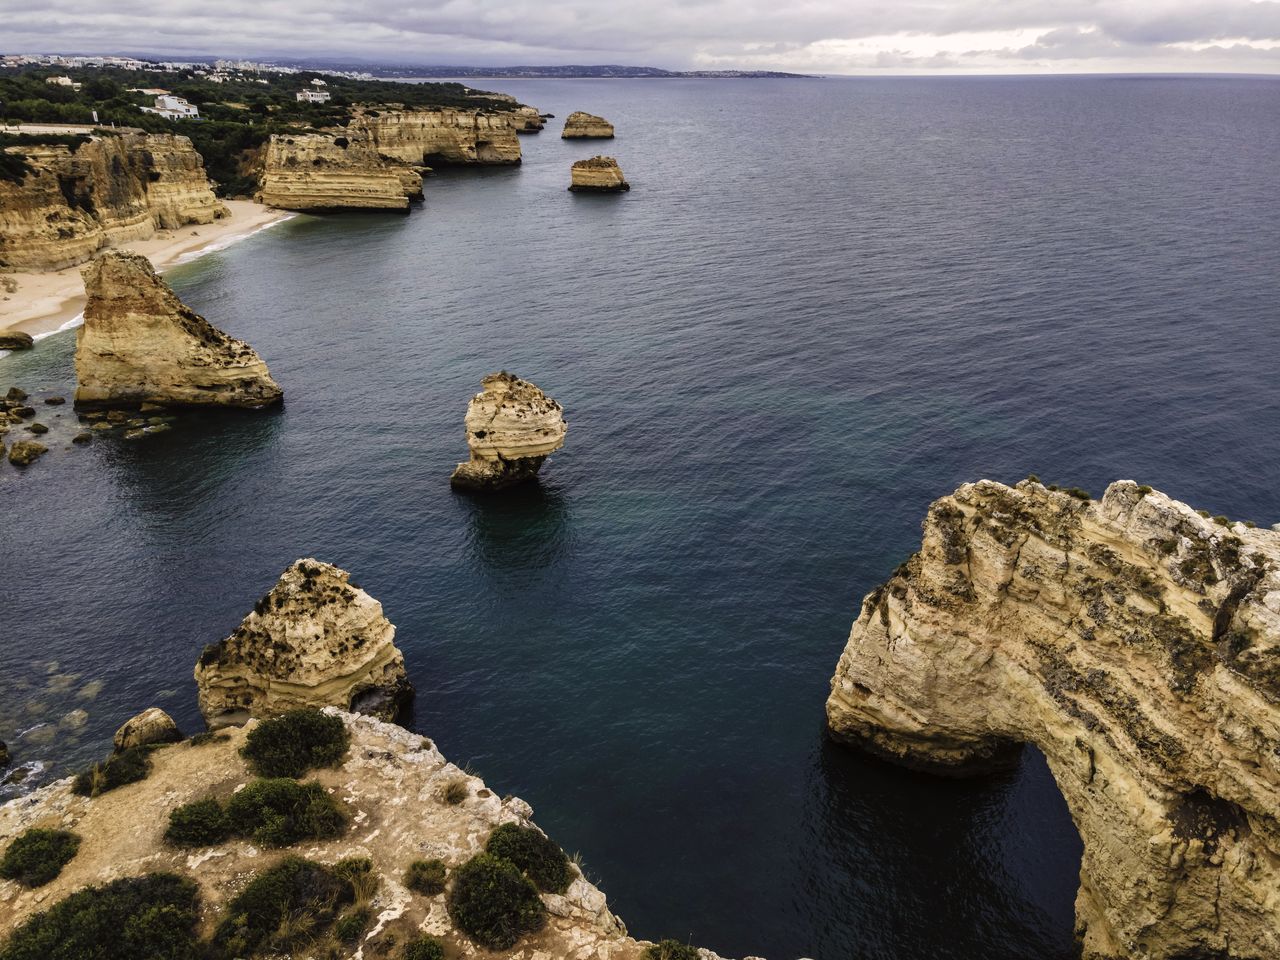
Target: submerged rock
[512, 427]
[15, 340]
[4, 755]
[597, 175]
[586, 125]
[140, 343]
[1137, 645]
[152, 725]
[25, 452]
[314, 640]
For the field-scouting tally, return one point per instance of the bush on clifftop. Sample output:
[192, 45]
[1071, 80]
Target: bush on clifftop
[293, 743]
[140, 918]
[281, 909]
[424, 948]
[671, 950]
[426, 877]
[537, 855]
[199, 824]
[127, 766]
[494, 903]
[275, 813]
[38, 856]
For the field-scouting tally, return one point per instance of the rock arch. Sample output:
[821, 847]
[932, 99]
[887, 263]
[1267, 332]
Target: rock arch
[1134, 642]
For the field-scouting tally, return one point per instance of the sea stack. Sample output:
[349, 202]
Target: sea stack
[1137, 645]
[16, 340]
[314, 640]
[597, 175]
[512, 427]
[141, 344]
[579, 125]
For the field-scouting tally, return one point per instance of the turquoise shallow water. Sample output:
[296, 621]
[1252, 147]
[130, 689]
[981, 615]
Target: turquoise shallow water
[823, 304]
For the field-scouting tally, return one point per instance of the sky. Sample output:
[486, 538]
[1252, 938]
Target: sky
[807, 36]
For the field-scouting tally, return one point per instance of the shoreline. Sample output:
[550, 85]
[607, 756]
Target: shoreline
[48, 303]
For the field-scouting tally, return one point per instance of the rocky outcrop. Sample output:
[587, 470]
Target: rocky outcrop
[1136, 644]
[512, 427]
[107, 191]
[314, 640]
[152, 725]
[528, 120]
[321, 173]
[141, 344]
[15, 340]
[586, 125]
[23, 453]
[597, 175]
[440, 137]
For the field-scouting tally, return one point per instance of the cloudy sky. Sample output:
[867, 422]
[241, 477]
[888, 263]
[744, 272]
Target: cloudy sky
[816, 36]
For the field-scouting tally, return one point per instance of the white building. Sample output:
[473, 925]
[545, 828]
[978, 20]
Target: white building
[313, 96]
[317, 82]
[63, 82]
[173, 108]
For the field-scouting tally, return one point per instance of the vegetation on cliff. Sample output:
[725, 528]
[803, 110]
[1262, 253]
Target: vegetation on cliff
[293, 743]
[37, 856]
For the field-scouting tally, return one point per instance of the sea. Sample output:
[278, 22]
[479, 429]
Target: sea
[823, 304]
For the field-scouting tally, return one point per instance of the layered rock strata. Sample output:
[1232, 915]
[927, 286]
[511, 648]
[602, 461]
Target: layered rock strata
[16, 340]
[321, 173]
[1135, 643]
[141, 344]
[440, 137]
[580, 125]
[597, 175]
[314, 640]
[152, 725]
[528, 120]
[512, 427]
[107, 191]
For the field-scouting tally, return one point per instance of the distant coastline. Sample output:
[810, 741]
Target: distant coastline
[598, 72]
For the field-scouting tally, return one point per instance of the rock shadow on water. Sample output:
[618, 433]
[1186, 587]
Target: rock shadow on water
[526, 527]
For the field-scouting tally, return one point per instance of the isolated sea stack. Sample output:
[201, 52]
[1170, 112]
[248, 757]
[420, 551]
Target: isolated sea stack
[1137, 645]
[597, 175]
[315, 640]
[512, 427]
[579, 125]
[140, 344]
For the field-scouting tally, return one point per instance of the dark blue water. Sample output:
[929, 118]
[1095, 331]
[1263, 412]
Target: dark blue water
[822, 305]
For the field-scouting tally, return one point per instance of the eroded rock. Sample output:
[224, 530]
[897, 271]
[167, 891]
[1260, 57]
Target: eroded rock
[25, 452]
[586, 125]
[1135, 644]
[597, 175]
[512, 426]
[152, 725]
[15, 340]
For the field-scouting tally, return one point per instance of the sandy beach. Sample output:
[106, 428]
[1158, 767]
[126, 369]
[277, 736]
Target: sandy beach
[45, 302]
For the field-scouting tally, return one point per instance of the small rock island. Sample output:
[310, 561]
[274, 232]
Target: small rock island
[141, 344]
[597, 175]
[581, 126]
[512, 426]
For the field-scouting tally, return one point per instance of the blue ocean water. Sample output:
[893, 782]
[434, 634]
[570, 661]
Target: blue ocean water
[822, 305]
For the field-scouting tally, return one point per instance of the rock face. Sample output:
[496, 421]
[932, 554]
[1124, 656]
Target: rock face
[15, 340]
[528, 120]
[583, 125]
[597, 175]
[152, 725]
[108, 191]
[314, 640]
[140, 344]
[441, 137]
[1136, 644]
[512, 427]
[321, 173]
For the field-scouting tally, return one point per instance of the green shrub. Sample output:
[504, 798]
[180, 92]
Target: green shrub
[140, 918]
[127, 766]
[352, 868]
[1078, 493]
[538, 856]
[494, 903]
[455, 791]
[200, 824]
[37, 856]
[351, 926]
[1033, 478]
[1143, 490]
[1221, 521]
[671, 950]
[282, 908]
[279, 811]
[293, 743]
[426, 876]
[424, 948]
[200, 739]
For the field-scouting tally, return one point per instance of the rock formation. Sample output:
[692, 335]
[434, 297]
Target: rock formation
[23, 453]
[110, 190]
[140, 344]
[15, 340]
[583, 125]
[440, 137]
[597, 175]
[314, 640]
[512, 427]
[320, 173]
[152, 725]
[1136, 644]
[528, 120]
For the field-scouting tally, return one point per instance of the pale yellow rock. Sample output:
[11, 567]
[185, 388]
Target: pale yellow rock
[597, 175]
[141, 344]
[111, 190]
[528, 120]
[512, 426]
[586, 125]
[1135, 644]
[441, 136]
[152, 725]
[314, 640]
[322, 172]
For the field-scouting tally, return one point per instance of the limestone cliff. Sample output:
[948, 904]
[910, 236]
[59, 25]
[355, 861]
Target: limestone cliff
[110, 190]
[1135, 643]
[597, 175]
[528, 120]
[586, 125]
[441, 136]
[314, 640]
[512, 426]
[140, 344]
[322, 172]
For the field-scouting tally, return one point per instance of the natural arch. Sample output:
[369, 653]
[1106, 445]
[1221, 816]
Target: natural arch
[1134, 643]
